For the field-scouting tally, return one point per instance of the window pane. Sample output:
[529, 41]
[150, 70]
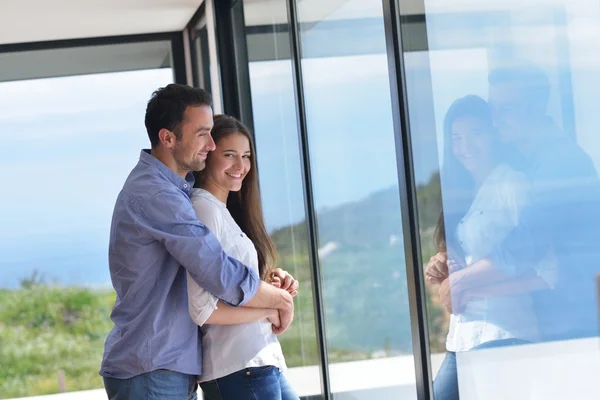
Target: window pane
[500, 106]
[279, 164]
[67, 146]
[355, 181]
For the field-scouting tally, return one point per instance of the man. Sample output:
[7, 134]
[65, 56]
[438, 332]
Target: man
[560, 221]
[562, 216]
[154, 349]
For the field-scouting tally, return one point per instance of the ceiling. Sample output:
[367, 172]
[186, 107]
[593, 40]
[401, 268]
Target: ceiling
[24, 21]
[269, 12]
[84, 60]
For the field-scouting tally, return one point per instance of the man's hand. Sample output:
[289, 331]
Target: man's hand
[286, 314]
[436, 270]
[274, 318]
[268, 296]
[445, 295]
[452, 296]
[281, 279]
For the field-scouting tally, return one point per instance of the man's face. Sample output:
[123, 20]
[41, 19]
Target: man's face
[510, 111]
[194, 141]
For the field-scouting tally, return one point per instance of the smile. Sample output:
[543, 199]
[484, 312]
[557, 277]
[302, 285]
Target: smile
[237, 176]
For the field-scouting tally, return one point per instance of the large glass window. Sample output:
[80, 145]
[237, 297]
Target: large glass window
[66, 147]
[279, 164]
[351, 142]
[501, 105]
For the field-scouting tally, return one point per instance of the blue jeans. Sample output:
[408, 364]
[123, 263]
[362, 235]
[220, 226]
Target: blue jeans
[445, 384]
[156, 385]
[259, 383]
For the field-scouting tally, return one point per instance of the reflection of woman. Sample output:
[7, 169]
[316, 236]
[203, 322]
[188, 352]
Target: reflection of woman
[483, 196]
[242, 356]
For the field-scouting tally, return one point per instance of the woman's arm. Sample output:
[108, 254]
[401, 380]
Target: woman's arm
[479, 274]
[483, 277]
[510, 287]
[226, 315]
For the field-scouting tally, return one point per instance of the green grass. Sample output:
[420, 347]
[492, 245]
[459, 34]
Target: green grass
[46, 329]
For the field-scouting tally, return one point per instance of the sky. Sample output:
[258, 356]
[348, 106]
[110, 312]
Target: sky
[66, 147]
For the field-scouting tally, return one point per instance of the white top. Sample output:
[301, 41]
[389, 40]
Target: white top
[494, 213]
[229, 348]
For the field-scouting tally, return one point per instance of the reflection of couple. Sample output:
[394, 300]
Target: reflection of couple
[520, 203]
[173, 273]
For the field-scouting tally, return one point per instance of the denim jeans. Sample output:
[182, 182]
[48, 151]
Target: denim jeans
[156, 385]
[259, 383]
[445, 384]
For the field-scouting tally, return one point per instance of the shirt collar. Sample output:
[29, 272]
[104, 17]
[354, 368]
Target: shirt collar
[184, 184]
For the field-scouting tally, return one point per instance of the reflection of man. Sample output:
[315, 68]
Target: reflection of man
[561, 220]
[563, 216]
[153, 350]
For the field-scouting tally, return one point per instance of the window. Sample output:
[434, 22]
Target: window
[500, 108]
[355, 183]
[281, 183]
[67, 146]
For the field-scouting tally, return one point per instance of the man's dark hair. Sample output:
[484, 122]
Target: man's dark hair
[167, 106]
[529, 77]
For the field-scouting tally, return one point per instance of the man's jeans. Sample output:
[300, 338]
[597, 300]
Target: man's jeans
[258, 383]
[156, 385]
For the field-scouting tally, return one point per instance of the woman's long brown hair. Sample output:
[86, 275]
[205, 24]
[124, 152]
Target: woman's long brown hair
[439, 235]
[244, 205]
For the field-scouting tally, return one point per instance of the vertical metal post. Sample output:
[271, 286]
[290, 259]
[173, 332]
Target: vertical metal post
[408, 201]
[311, 218]
[178, 58]
[233, 60]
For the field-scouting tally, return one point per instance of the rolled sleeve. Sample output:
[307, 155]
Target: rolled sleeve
[201, 304]
[547, 270]
[169, 218]
[526, 245]
[522, 247]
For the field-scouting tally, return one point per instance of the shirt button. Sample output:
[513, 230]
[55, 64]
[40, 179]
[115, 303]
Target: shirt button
[185, 185]
[248, 373]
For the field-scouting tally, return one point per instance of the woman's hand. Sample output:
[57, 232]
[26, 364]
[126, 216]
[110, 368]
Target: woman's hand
[281, 279]
[436, 270]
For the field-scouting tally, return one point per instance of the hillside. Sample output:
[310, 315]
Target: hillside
[363, 272]
[48, 332]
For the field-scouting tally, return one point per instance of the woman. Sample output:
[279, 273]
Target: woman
[483, 197]
[242, 356]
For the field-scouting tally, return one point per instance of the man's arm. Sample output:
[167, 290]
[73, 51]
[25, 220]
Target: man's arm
[169, 217]
[476, 275]
[268, 296]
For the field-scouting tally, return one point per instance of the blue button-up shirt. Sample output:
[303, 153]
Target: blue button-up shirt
[154, 238]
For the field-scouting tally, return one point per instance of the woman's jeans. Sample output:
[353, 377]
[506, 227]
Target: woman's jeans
[445, 384]
[161, 384]
[259, 383]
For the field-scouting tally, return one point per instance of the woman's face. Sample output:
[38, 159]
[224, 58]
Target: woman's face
[229, 163]
[472, 143]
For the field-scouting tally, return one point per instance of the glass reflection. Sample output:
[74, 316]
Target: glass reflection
[513, 255]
